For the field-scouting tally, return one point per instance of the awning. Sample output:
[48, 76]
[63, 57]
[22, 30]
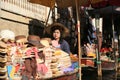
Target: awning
[107, 10]
[47, 3]
[106, 3]
[64, 3]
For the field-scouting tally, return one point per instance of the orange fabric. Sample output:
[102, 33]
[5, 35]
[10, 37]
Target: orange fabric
[17, 67]
[87, 62]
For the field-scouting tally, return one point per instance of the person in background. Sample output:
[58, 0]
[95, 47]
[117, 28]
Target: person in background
[58, 32]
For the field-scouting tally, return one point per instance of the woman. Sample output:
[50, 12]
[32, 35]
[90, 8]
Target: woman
[58, 32]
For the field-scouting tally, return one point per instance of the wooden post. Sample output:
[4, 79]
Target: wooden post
[114, 47]
[99, 68]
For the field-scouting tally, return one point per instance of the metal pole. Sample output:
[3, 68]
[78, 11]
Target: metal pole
[79, 41]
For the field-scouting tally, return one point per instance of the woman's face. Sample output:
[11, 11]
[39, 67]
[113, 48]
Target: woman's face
[56, 34]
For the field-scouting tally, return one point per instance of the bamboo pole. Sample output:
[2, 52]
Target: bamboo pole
[99, 68]
[114, 46]
[79, 40]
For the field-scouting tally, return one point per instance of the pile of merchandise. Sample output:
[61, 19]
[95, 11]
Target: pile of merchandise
[22, 58]
[3, 60]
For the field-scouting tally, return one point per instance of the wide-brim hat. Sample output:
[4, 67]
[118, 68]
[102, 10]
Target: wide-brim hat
[7, 35]
[3, 54]
[30, 56]
[3, 45]
[3, 60]
[34, 40]
[56, 25]
[3, 70]
[46, 42]
[19, 38]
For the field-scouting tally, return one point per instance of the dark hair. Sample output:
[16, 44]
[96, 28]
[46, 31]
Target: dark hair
[61, 32]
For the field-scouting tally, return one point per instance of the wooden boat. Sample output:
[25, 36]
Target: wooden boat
[91, 63]
[69, 76]
[87, 62]
[108, 65]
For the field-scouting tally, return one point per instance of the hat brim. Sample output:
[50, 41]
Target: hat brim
[4, 69]
[65, 30]
[30, 44]
[28, 56]
[3, 45]
[3, 60]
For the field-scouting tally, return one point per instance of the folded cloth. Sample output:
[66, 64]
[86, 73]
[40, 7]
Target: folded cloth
[66, 70]
[75, 65]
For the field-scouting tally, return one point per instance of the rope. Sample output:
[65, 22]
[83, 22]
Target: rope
[98, 62]
[118, 59]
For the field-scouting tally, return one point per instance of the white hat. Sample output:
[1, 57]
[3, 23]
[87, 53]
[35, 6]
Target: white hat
[7, 34]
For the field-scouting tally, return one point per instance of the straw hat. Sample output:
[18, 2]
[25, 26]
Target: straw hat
[45, 41]
[59, 26]
[34, 40]
[25, 56]
[20, 38]
[3, 60]
[2, 64]
[3, 70]
[3, 45]
[3, 77]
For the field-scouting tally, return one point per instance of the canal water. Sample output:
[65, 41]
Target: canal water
[106, 75]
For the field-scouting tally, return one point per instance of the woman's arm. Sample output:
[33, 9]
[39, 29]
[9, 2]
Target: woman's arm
[65, 46]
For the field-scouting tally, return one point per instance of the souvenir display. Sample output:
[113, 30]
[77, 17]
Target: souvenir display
[21, 59]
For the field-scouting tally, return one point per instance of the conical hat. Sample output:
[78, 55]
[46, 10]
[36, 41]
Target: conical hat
[59, 26]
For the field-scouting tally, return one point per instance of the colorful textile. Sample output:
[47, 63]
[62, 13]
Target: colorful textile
[11, 71]
[41, 67]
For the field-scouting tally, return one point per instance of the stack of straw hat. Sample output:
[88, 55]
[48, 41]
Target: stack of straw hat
[5, 36]
[3, 60]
